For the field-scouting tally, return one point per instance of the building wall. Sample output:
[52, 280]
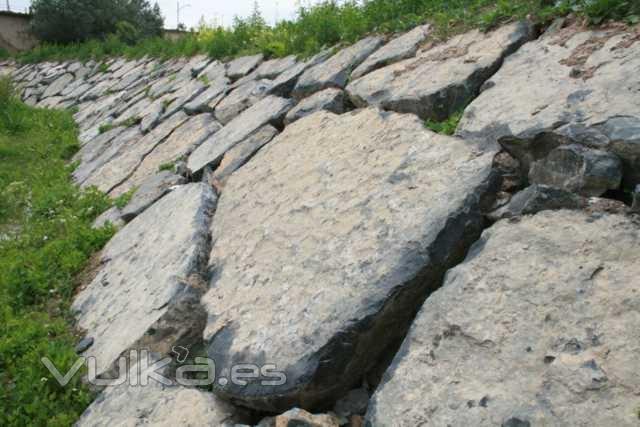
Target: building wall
[14, 32]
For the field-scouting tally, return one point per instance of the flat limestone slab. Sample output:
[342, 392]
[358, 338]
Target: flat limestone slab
[335, 71]
[129, 156]
[401, 47]
[440, 80]
[270, 110]
[178, 145]
[146, 291]
[568, 86]
[539, 326]
[327, 242]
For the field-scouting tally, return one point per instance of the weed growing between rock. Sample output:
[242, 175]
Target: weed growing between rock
[46, 239]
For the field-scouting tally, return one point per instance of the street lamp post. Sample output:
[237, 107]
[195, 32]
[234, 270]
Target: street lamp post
[178, 9]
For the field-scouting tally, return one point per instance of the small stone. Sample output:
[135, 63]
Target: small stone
[537, 198]
[112, 216]
[582, 170]
[84, 344]
[300, 417]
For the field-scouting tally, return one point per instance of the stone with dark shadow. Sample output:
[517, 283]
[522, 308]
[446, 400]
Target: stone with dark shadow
[325, 245]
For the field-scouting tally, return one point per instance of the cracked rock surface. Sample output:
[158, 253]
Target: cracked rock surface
[540, 325]
[333, 246]
[147, 285]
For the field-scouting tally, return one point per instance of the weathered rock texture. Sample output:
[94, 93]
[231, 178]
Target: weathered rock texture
[443, 79]
[570, 86]
[157, 405]
[338, 243]
[539, 326]
[147, 289]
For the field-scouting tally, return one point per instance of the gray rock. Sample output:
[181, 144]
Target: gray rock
[338, 231]
[581, 170]
[213, 72]
[147, 290]
[240, 67]
[151, 190]
[58, 85]
[636, 200]
[335, 71]
[274, 67]
[331, 99]
[207, 100]
[102, 149]
[177, 146]
[156, 405]
[578, 98]
[152, 115]
[129, 156]
[534, 326]
[441, 80]
[283, 85]
[537, 198]
[188, 92]
[198, 63]
[111, 216]
[83, 345]
[240, 99]
[239, 155]
[270, 110]
[402, 47]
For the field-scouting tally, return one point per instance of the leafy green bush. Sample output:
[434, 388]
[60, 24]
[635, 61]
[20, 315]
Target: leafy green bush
[65, 21]
[4, 54]
[45, 241]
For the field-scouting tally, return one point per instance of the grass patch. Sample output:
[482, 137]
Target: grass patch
[167, 167]
[105, 128]
[4, 54]
[45, 241]
[124, 199]
[329, 23]
[446, 127]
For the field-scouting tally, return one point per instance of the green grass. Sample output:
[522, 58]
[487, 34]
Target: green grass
[47, 240]
[4, 54]
[448, 126]
[329, 23]
[124, 199]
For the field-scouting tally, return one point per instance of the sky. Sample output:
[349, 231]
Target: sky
[219, 11]
[223, 11]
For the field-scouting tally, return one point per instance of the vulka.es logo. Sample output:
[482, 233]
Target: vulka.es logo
[201, 373]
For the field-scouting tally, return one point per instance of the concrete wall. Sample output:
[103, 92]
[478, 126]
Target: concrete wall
[14, 32]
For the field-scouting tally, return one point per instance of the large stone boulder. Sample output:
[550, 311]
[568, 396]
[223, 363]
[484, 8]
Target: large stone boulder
[402, 47]
[335, 71]
[240, 99]
[443, 79]
[327, 242]
[146, 292]
[331, 99]
[539, 326]
[568, 86]
[242, 66]
[270, 110]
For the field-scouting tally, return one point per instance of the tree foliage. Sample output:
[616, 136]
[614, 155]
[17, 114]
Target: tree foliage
[65, 21]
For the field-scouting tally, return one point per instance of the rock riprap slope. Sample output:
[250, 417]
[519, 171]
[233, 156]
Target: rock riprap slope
[539, 326]
[338, 213]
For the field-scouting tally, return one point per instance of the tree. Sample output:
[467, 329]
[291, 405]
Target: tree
[65, 21]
